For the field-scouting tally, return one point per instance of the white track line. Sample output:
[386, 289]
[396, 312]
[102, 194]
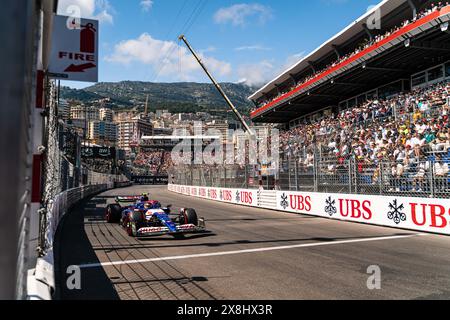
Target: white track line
[226, 253]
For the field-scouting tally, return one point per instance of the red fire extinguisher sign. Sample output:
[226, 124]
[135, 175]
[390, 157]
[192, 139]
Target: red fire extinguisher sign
[75, 51]
[87, 38]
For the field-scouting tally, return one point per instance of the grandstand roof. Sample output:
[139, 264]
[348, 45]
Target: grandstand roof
[386, 61]
[173, 138]
[385, 7]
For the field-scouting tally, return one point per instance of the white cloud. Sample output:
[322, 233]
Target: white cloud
[238, 14]
[91, 9]
[253, 48]
[293, 59]
[146, 5]
[258, 74]
[209, 49]
[166, 57]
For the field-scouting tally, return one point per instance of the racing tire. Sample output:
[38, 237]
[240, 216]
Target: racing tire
[190, 217]
[113, 213]
[136, 222]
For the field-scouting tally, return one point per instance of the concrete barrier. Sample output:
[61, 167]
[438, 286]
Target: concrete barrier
[41, 280]
[418, 214]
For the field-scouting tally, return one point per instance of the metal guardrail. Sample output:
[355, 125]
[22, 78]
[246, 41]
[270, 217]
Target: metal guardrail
[64, 184]
[64, 201]
[43, 278]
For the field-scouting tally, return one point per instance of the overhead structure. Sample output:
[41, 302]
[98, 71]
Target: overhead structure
[218, 87]
[146, 107]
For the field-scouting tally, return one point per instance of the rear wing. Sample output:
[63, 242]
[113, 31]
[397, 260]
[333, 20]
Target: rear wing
[127, 199]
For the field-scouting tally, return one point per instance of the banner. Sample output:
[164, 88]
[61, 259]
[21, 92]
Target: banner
[420, 214]
[98, 153]
[151, 180]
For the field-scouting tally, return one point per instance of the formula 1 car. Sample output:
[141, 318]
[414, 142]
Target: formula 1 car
[149, 218]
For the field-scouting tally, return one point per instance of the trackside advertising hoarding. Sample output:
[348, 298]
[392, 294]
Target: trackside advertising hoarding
[420, 214]
[234, 196]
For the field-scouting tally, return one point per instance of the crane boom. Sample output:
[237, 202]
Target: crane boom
[218, 87]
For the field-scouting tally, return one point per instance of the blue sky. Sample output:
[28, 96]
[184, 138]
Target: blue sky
[238, 40]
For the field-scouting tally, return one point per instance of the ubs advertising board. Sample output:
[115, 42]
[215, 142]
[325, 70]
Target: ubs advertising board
[420, 214]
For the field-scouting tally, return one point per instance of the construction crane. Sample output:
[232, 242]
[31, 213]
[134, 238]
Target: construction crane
[146, 107]
[219, 88]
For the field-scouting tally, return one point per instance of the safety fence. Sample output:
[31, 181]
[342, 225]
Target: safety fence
[41, 280]
[412, 213]
[40, 179]
[64, 181]
[427, 177]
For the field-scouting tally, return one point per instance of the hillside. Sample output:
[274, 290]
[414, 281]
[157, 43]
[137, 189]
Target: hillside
[176, 97]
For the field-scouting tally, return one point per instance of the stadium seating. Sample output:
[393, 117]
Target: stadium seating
[154, 162]
[367, 43]
[409, 144]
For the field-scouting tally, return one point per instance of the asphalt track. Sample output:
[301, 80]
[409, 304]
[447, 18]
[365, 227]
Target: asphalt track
[248, 254]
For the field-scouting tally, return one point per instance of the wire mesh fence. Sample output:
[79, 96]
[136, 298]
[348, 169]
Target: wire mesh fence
[63, 175]
[429, 177]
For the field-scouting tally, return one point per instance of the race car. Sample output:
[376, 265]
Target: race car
[149, 218]
[113, 212]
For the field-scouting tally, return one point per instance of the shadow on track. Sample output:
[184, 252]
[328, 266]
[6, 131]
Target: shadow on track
[72, 246]
[229, 243]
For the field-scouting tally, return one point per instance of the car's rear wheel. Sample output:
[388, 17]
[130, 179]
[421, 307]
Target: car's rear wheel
[113, 213]
[189, 216]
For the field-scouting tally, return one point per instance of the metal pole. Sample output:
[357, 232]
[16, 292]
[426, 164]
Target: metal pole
[350, 176]
[218, 87]
[380, 177]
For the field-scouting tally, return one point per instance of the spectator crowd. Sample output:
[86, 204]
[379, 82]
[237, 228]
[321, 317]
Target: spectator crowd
[409, 132]
[155, 162]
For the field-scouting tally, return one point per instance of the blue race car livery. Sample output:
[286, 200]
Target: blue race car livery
[149, 218]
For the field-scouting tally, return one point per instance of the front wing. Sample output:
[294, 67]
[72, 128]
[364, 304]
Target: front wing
[181, 229]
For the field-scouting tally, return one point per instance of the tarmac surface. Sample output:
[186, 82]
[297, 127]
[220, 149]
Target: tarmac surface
[248, 254]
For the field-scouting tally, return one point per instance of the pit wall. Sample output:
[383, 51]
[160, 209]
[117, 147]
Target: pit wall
[419, 214]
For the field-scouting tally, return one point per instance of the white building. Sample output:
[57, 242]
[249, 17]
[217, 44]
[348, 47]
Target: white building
[162, 113]
[79, 112]
[106, 114]
[131, 131]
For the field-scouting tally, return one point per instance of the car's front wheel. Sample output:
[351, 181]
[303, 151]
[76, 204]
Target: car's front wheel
[136, 221]
[189, 216]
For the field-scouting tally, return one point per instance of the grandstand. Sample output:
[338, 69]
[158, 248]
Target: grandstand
[361, 63]
[365, 113]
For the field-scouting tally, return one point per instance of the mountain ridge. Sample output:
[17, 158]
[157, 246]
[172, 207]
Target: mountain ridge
[176, 97]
